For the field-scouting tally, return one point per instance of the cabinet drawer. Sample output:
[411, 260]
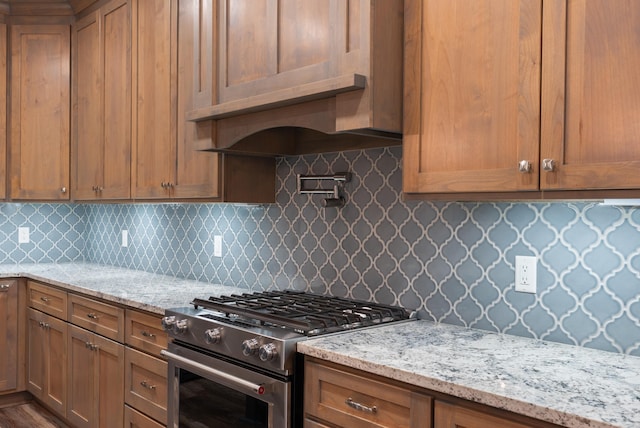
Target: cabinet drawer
[144, 331]
[348, 399]
[101, 318]
[135, 419]
[48, 299]
[146, 384]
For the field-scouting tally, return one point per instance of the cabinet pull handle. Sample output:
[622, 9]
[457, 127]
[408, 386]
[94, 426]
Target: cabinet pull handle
[146, 384]
[548, 165]
[5, 287]
[147, 334]
[524, 166]
[92, 316]
[43, 324]
[90, 345]
[45, 299]
[361, 407]
[63, 189]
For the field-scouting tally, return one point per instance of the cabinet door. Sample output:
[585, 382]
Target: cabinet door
[451, 416]
[115, 40]
[96, 380]
[82, 402]
[40, 110]
[102, 103]
[472, 95]
[109, 357]
[591, 95]
[8, 335]
[197, 173]
[47, 360]
[154, 29]
[267, 45]
[3, 110]
[36, 350]
[87, 94]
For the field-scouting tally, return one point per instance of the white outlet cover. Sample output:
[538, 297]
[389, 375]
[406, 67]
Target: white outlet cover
[23, 235]
[125, 238]
[526, 275]
[217, 246]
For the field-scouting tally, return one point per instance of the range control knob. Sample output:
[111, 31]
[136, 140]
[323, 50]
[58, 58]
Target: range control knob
[168, 323]
[268, 352]
[180, 327]
[213, 335]
[250, 347]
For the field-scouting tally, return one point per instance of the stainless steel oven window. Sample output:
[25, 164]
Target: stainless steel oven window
[205, 391]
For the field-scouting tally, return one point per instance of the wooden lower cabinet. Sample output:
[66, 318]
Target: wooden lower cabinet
[47, 360]
[338, 396]
[343, 397]
[451, 416]
[135, 419]
[9, 335]
[96, 380]
[146, 384]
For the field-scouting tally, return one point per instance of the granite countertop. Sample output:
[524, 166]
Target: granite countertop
[567, 385]
[141, 290]
[562, 384]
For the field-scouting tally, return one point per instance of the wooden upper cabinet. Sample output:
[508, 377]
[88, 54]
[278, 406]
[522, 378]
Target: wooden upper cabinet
[326, 65]
[3, 110]
[155, 83]
[102, 103]
[197, 173]
[472, 95]
[39, 112]
[496, 86]
[591, 95]
[169, 81]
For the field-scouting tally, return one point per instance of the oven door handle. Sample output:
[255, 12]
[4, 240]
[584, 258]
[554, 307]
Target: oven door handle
[192, 365]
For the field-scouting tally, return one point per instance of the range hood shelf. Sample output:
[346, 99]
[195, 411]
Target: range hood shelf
[285, 97]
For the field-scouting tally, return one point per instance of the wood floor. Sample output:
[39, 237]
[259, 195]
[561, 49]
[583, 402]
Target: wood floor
[28, 415]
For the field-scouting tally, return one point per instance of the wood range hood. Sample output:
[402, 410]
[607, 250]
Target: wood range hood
[288, 127]
[296, 77]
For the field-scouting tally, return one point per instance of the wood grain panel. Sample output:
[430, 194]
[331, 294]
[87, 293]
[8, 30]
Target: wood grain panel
[116, 69]
[88, 89]
[40, 112]
[250, 40]
[591, 98]
[197, 173]
[155, 117]
[304, 33]
[8, 335]
[3, 109]
[478, 77]
[98, 317]
[450, 416]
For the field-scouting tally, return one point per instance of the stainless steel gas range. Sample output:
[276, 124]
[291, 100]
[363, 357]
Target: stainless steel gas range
[233, 361]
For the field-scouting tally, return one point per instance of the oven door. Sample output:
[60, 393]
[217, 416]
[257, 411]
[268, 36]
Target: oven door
[205, 391]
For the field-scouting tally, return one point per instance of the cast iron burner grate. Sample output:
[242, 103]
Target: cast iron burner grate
[305, 313]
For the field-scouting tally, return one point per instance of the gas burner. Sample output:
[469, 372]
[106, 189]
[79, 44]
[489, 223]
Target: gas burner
[261, 329]
[304, 313]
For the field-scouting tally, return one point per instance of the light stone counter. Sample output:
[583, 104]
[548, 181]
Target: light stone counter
[136, 289]
[562, 384]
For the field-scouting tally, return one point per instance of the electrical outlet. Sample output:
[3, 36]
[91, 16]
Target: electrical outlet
[23, 235]
[526, 275]
[217, 246]
[125, 238]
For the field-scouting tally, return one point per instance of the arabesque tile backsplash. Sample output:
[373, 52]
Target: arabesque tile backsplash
[453, 262]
